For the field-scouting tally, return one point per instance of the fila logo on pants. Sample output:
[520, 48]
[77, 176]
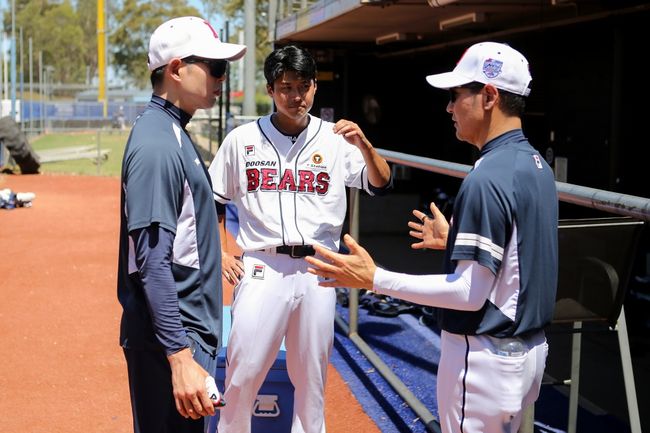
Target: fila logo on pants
[267, 179]
[258, 272]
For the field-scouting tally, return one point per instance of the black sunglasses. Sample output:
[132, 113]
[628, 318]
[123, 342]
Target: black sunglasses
[217, 67]
[474, 87]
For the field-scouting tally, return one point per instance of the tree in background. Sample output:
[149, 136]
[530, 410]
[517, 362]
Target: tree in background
[66, 33]
[131, 27]
[233, 11]
[56, 31]
[87, 13]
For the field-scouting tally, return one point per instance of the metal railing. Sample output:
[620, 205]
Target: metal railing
[620, 204]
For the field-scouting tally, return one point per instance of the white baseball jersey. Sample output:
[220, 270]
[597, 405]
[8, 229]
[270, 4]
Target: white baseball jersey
[287, 193]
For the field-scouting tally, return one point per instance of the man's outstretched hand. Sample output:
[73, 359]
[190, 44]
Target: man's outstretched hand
[432, 230]
[355, 270]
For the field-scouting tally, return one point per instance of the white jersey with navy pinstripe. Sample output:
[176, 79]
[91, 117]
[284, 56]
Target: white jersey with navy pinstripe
[287, 193]
[505, 218]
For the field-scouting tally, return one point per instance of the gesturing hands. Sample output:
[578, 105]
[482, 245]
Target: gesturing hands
[431, 231]
[354, 270]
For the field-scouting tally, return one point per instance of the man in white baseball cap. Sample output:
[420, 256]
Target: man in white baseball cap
[498, 290]
[488, 63]
[169, 272]
[189, 36]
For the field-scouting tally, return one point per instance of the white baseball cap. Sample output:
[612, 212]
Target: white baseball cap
[488, 63]
[189, 36]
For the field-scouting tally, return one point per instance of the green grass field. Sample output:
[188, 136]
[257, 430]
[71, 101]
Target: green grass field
[114, 141]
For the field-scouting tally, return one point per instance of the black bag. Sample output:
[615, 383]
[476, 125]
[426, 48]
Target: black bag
[19, 149]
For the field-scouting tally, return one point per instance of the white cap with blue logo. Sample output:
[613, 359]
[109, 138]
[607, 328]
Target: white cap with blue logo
[488, 63]
[189, 36]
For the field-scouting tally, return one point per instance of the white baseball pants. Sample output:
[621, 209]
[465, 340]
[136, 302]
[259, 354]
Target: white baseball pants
[480, 391]
[277, 298]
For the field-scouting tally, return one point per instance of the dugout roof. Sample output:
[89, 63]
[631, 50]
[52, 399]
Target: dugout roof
[402, 26]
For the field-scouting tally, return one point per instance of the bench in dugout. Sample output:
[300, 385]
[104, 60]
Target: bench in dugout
[595, 262]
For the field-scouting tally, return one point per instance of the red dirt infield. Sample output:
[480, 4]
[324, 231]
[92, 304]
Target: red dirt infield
[62, 368]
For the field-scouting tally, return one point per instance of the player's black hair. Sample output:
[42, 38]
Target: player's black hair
[510, 103]
[157, 76]
[289, 58]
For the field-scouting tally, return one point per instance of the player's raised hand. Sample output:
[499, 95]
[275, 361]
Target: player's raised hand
[188, 384]
[232, 268]
[354, 270]
[352, 133]
[432, 230]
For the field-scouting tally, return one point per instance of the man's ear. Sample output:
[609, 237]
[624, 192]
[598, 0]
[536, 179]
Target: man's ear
[173, 68]
[315, 85]
[491, 96]
[269, 90]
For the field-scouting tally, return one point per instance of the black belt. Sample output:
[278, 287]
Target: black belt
[296, 251]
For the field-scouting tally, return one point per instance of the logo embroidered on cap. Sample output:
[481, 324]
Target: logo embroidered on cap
[258, 272]
[492, 68]
[214, 33]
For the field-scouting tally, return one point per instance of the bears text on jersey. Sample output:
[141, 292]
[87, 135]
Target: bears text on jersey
[307, 181]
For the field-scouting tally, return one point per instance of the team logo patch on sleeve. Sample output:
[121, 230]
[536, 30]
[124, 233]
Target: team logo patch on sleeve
[538, 162]
[258, 272]
[249, 150]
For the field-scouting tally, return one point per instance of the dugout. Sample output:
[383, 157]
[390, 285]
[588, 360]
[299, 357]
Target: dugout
[585, 113]
[584, 56]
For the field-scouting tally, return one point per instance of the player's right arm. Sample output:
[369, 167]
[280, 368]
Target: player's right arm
[223, 173]
[232, 268]
[466, 289]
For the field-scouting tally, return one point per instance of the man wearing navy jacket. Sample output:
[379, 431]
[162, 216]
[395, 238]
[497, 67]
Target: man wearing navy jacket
[169, 276]
[501, 253]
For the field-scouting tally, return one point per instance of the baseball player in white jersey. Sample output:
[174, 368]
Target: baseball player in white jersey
[287, 175]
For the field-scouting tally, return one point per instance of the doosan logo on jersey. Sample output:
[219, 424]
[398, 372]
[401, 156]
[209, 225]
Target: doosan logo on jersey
[261, 163]
[308, 182]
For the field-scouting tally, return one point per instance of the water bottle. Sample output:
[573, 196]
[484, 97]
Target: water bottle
[510, 347]
[213, 392]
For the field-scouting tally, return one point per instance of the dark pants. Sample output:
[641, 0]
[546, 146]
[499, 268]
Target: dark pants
[152, 399]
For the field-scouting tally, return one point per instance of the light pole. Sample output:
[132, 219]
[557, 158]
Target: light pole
[13, 59]
[101, 58]
[47, 81]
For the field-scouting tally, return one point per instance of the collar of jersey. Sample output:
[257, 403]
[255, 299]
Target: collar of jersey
[178, 114]
[514, 135]
[312, 128]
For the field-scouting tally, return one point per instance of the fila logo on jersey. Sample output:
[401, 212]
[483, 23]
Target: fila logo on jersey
[538, 162]
[258, 272]
[267, 179]
[250, 150]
